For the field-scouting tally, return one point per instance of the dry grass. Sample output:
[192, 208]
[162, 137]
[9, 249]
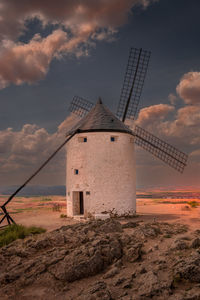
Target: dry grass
[14, 232]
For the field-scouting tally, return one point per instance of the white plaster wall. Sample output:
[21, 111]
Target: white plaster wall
[106, 170]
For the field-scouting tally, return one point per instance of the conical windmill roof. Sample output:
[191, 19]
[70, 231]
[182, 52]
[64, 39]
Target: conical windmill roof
[100, 118]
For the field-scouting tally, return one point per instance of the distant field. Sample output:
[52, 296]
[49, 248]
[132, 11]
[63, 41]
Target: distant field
[34, 203]
[50, 211]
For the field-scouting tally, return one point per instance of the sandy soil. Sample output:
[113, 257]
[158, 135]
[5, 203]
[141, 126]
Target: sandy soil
[176, 211]
[46, 211]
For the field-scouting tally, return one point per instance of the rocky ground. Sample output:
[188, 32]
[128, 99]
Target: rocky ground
[112, 259]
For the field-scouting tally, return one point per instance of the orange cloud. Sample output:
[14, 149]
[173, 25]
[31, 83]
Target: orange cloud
[189, 88]
[21, 63]
[182, 130]
[80, 23]
[153, 114]
[70, 13]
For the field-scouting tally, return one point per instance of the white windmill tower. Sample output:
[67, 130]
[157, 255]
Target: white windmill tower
[101, 166]
[100, 151]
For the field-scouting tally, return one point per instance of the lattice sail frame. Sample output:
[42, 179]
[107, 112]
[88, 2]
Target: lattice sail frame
[133, 83]
[162, 150]
[80, 106]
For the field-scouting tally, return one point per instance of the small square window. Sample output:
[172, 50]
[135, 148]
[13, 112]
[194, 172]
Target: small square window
[112, 138]
[82, 139]
[76, 171]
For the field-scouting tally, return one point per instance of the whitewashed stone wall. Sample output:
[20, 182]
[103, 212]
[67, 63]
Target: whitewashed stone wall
[106, 170]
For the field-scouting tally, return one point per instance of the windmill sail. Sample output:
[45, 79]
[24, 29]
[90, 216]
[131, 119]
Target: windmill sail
[162, 150]
[133, 83]
[80, 106]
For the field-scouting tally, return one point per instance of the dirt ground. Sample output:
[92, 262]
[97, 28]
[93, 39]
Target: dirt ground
[46, 211]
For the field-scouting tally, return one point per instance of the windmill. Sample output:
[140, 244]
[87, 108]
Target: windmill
[100, 150]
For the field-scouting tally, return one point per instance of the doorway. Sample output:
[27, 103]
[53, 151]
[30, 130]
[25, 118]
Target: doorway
[78, 203]
[81, 203]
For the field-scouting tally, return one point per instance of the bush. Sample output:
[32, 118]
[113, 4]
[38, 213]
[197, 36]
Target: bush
[63, 216]
[193, 203]
[56, 207]
[14, 232]
[46, 199]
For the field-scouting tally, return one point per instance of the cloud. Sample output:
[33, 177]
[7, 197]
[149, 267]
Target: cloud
[80, 24]
[183, 126]
[181, 129]
[172, 99]
[195, 153]
[69, 13]
[189, 88]
[21, 63]
[154, 114]
[22, 152]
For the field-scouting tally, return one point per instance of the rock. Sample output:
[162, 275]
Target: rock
[41, 244]
[193, 294]
[189, 268]
[111, 225]
[126, 297]
[75, 267]
[118, 263]
[197, 232]
[130, 225]
[98, 286]
[128, 284]
[134, 253]
[98, 291]
[111, 273]
[143, 270]
[51, 263]
[149, 285]
[196, 243]
[148, 230]
[179, 244]
[119, 281]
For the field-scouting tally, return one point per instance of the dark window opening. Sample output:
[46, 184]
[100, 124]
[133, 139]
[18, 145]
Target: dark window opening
[82, 139]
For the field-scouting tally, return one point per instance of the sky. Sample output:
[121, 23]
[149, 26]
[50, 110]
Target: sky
[53, 50]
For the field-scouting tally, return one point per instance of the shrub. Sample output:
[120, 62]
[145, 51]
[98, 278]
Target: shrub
[193, 203]
[56, 207]
[14, 232]
[63, 216]
[46, 199]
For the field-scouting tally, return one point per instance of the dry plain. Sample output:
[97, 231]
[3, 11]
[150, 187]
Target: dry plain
[47, 211]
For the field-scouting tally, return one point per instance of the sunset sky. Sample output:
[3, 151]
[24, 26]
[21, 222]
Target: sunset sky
[53, 50]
